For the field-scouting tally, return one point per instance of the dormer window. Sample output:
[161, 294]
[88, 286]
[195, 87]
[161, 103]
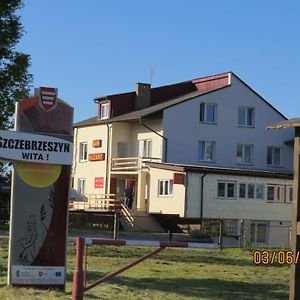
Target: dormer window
[104, 110]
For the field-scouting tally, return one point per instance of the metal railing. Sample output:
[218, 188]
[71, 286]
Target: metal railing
[133, 164]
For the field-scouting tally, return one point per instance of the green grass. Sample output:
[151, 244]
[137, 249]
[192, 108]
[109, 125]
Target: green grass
[172, 274]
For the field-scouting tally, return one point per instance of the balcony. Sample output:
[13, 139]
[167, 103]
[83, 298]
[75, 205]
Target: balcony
[131, 164]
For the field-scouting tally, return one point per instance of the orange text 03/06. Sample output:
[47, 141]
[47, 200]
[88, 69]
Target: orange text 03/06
[280, 257]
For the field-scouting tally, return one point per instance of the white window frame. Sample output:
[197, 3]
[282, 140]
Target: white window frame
[206, 146]
[273, 149]
[83, 150]
[104, 110]
[246, 109]
[167, 187]
[204, 110]
[81, 185]
[243, 162]
[279, 193]
[256, 185]
[226, 190]
[289, 194]
[147, 148]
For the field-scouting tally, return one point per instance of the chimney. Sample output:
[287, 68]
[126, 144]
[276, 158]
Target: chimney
[143, 95]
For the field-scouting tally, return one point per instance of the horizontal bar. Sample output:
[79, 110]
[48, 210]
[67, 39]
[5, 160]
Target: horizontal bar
[99, 241]
[124, 158]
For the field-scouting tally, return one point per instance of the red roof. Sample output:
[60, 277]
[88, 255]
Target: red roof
[125, 102]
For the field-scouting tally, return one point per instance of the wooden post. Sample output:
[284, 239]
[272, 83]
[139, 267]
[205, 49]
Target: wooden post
[295, 236]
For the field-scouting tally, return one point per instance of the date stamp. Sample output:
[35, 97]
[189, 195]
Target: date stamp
[281, 257]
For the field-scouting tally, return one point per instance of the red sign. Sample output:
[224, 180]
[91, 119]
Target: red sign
[178, 178]
[97, 143]
[48, 97]
[96, 156]
[99, 182]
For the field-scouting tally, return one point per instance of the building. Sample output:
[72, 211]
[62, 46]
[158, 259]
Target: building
[193, 151]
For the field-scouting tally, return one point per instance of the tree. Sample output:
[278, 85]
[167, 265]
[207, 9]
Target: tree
[14, 75]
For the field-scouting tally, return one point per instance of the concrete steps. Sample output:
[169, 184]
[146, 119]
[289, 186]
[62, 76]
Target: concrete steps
[142, 221]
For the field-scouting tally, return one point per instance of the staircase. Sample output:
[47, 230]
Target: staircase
[138, 221]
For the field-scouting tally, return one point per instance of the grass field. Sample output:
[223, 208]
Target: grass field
[172, 274]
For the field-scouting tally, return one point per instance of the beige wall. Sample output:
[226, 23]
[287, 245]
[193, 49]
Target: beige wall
[132, 133]
[90, 169]
[165, 204]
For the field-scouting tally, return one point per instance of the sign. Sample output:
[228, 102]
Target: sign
[178, 178]
[48, 97]
[97, 143]
[96, 156]
[37, 275]
[22, 146]
[99, 182]
[42, 154]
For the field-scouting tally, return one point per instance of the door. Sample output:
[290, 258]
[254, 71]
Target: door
[122, 149]
[145, 148]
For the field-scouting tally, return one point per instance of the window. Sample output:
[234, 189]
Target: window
[206, 151]
[289, 193]
[275, 193]
[251, 191]
[208, 113]
[165, 187]
[83, 151]
[259, 232]
[81, 185]
[226, 189]
[147, 148]
[244, 154]
[246, 116]
[273, 156]
[104, 111]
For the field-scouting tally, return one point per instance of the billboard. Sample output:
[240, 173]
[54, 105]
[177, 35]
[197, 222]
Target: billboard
[41, 148]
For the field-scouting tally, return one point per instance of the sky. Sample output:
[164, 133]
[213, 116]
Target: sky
[94, 48]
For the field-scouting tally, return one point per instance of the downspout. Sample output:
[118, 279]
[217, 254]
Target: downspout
[201, 199]
[74, 167]
[107, 159]
[164, 138]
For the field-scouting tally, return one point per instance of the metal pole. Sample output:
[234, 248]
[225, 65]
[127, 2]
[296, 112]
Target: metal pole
[221, 234]
[116, 226]
[78, 276]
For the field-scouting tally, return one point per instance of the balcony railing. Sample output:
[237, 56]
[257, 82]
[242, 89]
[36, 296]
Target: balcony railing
[131, 164]
[97, 202]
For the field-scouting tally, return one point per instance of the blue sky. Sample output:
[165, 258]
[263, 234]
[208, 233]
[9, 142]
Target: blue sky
[95, 47]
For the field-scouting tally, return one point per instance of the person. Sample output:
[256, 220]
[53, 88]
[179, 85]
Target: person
[128, 196]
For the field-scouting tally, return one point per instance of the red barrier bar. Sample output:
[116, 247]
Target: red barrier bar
[128, 266]
[78, 276]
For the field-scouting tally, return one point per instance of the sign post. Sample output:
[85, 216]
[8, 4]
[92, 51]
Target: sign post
[41, 149]
[294, 292]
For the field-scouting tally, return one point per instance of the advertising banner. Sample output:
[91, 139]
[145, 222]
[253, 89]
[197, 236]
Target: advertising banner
[41, 149]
